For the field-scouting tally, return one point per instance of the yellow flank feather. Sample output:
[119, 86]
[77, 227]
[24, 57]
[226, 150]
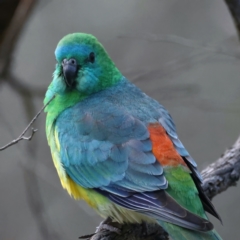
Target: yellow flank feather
[57, 140]
[72, 188]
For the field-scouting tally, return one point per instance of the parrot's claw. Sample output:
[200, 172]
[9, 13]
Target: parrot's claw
[108, 225]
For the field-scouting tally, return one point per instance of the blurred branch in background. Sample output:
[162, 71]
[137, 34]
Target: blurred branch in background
[13, 17]
[200, 52]
[186, 42]
[234, 8]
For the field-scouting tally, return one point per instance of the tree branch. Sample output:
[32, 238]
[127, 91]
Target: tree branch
[223, 173]
[22, 135]
[131, 232]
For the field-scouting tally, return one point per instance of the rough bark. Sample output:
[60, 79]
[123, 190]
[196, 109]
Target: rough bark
[132, 232]
[223, 173]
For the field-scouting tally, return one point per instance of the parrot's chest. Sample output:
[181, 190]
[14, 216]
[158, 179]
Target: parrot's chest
[73, 189]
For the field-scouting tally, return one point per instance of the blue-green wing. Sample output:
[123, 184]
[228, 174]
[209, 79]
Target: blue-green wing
[109, 150]
[105, 147]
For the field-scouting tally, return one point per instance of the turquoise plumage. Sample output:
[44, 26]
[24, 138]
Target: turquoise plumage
[117, 148]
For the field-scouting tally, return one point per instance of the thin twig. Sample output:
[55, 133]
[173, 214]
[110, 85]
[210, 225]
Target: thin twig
[22, 137]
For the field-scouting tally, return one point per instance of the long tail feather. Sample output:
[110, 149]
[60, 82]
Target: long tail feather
[179, 233]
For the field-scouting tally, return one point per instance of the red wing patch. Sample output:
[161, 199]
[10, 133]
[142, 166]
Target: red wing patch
[163, 148]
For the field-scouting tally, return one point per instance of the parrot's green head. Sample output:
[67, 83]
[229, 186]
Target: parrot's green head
[83, 68]
[83, 65]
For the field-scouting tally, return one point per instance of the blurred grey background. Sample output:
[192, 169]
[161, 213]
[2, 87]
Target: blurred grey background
[183, 53]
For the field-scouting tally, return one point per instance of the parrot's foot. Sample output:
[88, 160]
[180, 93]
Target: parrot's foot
[108, 225]
[105, 226]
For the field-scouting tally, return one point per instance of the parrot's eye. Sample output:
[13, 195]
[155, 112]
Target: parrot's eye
[91, 57]
[73, 61]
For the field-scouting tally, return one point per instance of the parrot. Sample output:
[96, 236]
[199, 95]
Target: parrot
[116, 148]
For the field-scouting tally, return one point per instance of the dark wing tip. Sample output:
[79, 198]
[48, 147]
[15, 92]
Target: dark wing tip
[206, 202]
[161, 206]
[201, 224]
[186, 218]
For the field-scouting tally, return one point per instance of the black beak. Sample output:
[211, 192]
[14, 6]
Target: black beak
[70, 70]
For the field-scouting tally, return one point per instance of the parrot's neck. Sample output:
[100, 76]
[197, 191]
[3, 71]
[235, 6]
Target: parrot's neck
[59, 103]
[65, 100]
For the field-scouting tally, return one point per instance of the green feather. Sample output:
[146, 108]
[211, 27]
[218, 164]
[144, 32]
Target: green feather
[182, 188]
[179, 233]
